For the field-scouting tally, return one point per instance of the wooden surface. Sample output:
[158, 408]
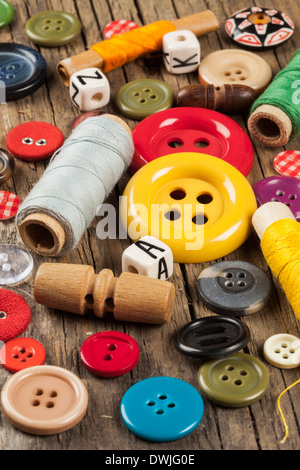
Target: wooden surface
[257, 427]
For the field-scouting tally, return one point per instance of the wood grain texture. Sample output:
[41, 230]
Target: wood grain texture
[257, 427]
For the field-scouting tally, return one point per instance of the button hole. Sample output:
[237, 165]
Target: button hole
[292, 351]
[160, 412]
[107, 357]
[178, 194]
[224, 377]
[243, 372]
[111, 347]
[202, 144]
[162, 397]
[136, 93]
[22, 360]
[38, 391]
[230, 368]
[238, 382]
[292, 196]
[227, 74]
[172, 215]
[53, 394]
[228, 275]
[142, 100]
[279, 193]
[199, 219]
[285, 356]
[241, 284]
[151, 403]
[29, 355]
[153, 97]
[284, 345]
[15, 356]
[35, 403]
[277, 351]
[49, 404]
[229, 284]
[175, 143]
[204, 198]
[171, 405]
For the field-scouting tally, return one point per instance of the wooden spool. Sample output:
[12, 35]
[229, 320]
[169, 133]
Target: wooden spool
[130, 297]
[199, 23]
[270, 125]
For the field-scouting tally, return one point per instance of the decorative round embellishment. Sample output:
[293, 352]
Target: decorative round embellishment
[7, 13]
[16, 264]
[15, 315]
[9, 205]
[115, 28]
[20, 353]
[287, 163]
[283, 351]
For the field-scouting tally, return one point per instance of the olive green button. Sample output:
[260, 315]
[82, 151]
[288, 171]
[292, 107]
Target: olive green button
[6, 13]
[141, 98]
[53, 28]
[235, 381]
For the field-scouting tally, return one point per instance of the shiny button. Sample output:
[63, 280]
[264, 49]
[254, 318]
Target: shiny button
[287, 163]
[186, 129]
[282, 351]
[162, 409]
[15, 314]
[44, 400]
[53, 28]
[22, 70]
[7, 166]
[140, 98]
[7, 13]
[109, 353]
[9, 205]
[236, 381]
[16, 264]
[284, 189]
[20, 353]
[195, 205]
[234, 288]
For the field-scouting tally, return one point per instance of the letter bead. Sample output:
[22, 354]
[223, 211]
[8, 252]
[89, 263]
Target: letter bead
[181, 52]
[148, 257]
[89, 89]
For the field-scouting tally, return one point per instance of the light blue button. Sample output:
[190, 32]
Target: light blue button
[162, 409]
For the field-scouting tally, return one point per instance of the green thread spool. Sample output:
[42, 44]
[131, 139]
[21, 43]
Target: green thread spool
[275, 115]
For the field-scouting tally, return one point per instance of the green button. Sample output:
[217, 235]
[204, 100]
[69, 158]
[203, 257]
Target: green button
[236, 381]
[53, 28]
[6, 13]
[141, 98]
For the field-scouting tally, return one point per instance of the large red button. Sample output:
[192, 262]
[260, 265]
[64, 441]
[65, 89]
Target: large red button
[34, 141]
[15, 314]
[189, 129]
[109, 353]
[9, 205]
[20, 353]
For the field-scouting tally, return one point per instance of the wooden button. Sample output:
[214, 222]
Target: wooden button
[235, 67]
[7, 166]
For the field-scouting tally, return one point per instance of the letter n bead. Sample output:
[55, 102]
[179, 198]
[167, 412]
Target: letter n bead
[89, 89]
[148, 257]
[181, 51]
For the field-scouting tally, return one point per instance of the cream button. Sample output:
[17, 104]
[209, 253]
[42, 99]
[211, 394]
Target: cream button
[44, 400]
[283, 351]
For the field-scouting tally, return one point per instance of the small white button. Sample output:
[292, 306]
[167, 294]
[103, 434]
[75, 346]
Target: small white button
[283, 351]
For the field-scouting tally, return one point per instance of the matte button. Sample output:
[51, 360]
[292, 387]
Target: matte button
[284, 189]
[20, 353]
[7, 166]
[22, 69]
[212, 337]
[236, 381]
[259, 28]
[283, 351]
[7, 13]
[234, 288]
[16, 264]
[115, 28]
[287, 163]
[140, 98]
[109, 353]
[15, 314]
[162, 409]
[53, 28]
[9, 205]
[44, 400]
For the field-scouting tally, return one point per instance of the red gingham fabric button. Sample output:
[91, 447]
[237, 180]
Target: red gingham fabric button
[118, 27]
[288, 163]
[9, 205]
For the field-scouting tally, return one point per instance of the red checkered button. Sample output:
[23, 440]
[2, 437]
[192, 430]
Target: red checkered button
[288, 163]
[9, 205]
[115, 28]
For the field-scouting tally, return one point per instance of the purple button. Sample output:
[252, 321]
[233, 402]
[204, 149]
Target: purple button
[285, 189]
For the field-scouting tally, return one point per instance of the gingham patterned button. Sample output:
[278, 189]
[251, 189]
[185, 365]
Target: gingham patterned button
[115, 28]
[288, 163]
[9, 205]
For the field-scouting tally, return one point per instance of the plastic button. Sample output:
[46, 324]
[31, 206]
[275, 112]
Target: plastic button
[235, 66]
[236, 381]
[53, 28]
[140, 98]
[44, 400]
[22, 69]
[186, 129]
[234, 288]
[115, 28]
[194, 203]
[7, 166]
[16, 264]
[284, 189]
[109, 353]
[162, 409]
[15, 315]
[9, 205]
[20, 353]
[259, 28]
[283, 351]
[212, 337]
[7, 13]
[287, 163]
[34, 141]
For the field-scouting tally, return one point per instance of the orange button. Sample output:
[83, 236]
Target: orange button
[20, 353]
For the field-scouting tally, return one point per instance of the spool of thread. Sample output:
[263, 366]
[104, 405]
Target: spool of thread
[117, 51]
[64, 202]
[275, 115]
[279, 233]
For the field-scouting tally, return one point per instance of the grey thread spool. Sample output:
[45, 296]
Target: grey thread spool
[63, 203]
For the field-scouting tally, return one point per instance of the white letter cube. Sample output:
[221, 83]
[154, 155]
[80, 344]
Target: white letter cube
[181, 51]
[148, 257]
[89, 89]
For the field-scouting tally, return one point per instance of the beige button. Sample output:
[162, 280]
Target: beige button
[44, 400]
[282, 351]
[235, 66]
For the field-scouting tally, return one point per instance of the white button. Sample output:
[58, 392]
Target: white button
[283, 351]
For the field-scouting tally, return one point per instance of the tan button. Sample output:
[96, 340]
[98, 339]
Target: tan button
[283, 351]
[44, 400]
[235, 67]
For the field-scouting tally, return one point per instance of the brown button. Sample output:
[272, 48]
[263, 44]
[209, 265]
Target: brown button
[44, 400]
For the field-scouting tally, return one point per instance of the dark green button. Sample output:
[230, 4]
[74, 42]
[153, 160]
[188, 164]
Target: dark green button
[6, 13]
[141, 98]
[53, 28]
[236, 381]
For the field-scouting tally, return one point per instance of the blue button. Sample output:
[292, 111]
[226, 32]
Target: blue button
[22, 71]
[162, 409]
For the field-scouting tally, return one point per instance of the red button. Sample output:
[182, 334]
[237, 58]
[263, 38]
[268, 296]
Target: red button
[118, 27]
[287, 163]
[9, 205]
[34, 141]
[109, 353]
[15, 314]
[191, 130]
[20, 353]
